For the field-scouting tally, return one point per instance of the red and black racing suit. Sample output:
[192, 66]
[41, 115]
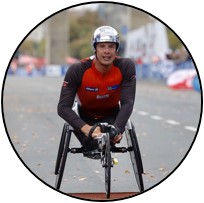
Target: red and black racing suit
[98, 94]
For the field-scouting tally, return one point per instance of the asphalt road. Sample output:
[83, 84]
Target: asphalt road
[166, 123]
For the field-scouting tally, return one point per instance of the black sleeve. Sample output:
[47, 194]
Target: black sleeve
[69, 88]
[127, 93]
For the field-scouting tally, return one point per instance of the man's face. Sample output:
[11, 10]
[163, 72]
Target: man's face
[106, 52]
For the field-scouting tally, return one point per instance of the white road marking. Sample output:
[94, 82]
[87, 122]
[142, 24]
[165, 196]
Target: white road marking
[155, 117]
[191, 128]
[172, 122]
[143, 113]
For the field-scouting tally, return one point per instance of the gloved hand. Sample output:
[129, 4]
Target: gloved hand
[115, 134]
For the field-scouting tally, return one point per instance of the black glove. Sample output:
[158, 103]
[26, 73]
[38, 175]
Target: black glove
[114, 131]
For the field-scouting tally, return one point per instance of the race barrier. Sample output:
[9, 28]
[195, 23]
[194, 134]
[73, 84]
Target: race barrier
[196, 84]
[176, 76]
[181, 79]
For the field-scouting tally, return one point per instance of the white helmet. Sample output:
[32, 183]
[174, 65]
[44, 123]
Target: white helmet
[105, 34]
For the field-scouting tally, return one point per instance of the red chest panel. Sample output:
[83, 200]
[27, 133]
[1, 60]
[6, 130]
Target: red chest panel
[99, 93]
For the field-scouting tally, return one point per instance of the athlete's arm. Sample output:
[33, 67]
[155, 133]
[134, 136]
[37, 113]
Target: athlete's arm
[69, 88]
[127, 93]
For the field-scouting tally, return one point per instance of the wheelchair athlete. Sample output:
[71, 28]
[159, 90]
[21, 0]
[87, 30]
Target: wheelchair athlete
[99, 83]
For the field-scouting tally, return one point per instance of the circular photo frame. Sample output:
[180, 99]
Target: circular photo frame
[161, 128]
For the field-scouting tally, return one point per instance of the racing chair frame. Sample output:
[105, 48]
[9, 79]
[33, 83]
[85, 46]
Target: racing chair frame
[106, 160]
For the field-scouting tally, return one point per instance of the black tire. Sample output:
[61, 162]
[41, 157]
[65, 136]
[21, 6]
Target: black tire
[108, 163]
[135, 158]
[61, 147]
[63, 159]
[137, 149]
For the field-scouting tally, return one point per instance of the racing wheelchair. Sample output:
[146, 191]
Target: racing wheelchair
[104, 152]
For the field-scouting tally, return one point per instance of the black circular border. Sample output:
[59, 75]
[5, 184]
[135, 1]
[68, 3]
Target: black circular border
[81, 4]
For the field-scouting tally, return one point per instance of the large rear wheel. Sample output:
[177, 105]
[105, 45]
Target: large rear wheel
[135, 158]
[62, 159]
[137, 148]
[61, 148]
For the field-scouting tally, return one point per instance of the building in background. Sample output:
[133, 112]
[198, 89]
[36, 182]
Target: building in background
[38, 33]
[147, 42]
[123, 18]
[57, 38]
